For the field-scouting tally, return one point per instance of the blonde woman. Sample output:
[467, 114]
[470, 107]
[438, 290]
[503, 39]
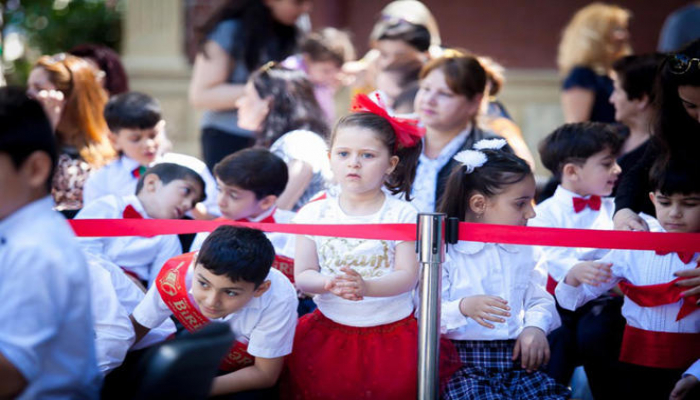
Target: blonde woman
[595, 37]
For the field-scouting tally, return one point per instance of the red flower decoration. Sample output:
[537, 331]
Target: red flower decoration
[407, 131]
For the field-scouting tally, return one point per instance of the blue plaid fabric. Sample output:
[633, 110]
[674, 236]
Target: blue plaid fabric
[488, 373]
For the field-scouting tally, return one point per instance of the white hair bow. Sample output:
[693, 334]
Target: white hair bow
[471, 159]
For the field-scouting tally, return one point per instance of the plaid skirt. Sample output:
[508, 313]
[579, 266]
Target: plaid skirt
[489, 373]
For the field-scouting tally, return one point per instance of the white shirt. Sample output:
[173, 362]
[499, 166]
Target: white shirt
[282, 242]
[47, 329]
[266, 323]
[558, 212]
[508, 271]
[118, 297]
[639, 267]
[310, 148]
[143, 256]
[116, 178]
[370, 258]
[425, 183]
[114, 333]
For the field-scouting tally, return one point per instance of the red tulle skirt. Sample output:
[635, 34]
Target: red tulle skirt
[334, 361]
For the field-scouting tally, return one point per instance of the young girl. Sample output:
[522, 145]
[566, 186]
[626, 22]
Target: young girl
[494, 304]
[361, 341]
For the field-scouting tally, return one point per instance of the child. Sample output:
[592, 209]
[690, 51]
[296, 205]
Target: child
[494, 304]
[46, 337]
[323, 54]
[137, 132]
[582, 157]
[363, 288]
[249, 183]
[230, 280]
[662, 336]
[164, 191]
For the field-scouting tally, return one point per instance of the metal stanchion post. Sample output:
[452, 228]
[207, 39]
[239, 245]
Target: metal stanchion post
[431, 254]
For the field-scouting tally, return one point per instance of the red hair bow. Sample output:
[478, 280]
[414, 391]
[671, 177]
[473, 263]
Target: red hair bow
[407, 131]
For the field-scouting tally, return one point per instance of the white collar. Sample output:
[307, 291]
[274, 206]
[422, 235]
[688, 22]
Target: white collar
[30, 210]
[471, 248]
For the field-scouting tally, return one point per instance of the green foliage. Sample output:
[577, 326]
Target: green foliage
[54, 26]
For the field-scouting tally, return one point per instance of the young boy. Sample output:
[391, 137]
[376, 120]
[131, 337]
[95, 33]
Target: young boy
[47, 348]
[164, 191]
[249, 183]
[230, 280]
[662, 336]
[582, 157]
[137, 132]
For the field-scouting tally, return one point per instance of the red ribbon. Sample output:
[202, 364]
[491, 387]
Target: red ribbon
[592, 202]
[131, 213]
[474, 232]
[685, 256]
[407, 131]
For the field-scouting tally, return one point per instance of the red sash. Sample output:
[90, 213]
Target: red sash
[551, 284]
[661, 294]
[171, 286]
[659, 349]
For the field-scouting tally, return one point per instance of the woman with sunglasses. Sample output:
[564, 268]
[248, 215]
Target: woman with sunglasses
[280, 106]
[676, 133]
[68, 88]
[239, 36]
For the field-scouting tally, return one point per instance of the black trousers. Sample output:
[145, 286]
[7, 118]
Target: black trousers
[590, 336]
[217, 144]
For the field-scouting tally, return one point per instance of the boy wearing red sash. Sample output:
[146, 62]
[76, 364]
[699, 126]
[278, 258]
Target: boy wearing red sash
[231, 280]
[661, 342]
[249, 183]
[164, 191]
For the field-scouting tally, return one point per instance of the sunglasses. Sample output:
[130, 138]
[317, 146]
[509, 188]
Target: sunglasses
[680, 64]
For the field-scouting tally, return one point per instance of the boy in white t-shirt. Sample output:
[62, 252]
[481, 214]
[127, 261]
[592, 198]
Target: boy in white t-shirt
[47, 349]
[164, 191]
[231, 280]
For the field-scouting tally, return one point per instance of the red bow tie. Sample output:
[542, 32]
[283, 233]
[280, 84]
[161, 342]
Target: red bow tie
[685, 256]
[593, 203]
[131, 213]
[138, 171]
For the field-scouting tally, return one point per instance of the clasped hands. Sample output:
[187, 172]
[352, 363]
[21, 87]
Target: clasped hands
[349, 286]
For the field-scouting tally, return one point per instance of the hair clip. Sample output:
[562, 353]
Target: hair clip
[268, 66]
[471, 159]
[407, 131]
[490, 144]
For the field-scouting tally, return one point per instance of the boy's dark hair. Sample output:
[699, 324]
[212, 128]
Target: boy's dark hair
[24, 128]
[675, 177]
[328, 44]
[500, 170]
[637, 74]
[257, 170]
[168, 172]
[417, 36]
[574, 143]
[132, 110]
[241, 254]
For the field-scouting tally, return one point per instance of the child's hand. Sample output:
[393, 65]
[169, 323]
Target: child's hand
[482, 308]
[532, 348]
[588, 272]
[350, 286]
[683, 386]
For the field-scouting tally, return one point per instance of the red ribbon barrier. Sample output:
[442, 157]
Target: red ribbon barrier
[467, 231]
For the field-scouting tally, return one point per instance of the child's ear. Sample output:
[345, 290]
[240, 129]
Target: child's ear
[477, 204]
[643, 103]
[652, 197]
[267, 202]
[570, 171]
[151, 183]
[264, 287]
[37, 169]
[393, 162]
